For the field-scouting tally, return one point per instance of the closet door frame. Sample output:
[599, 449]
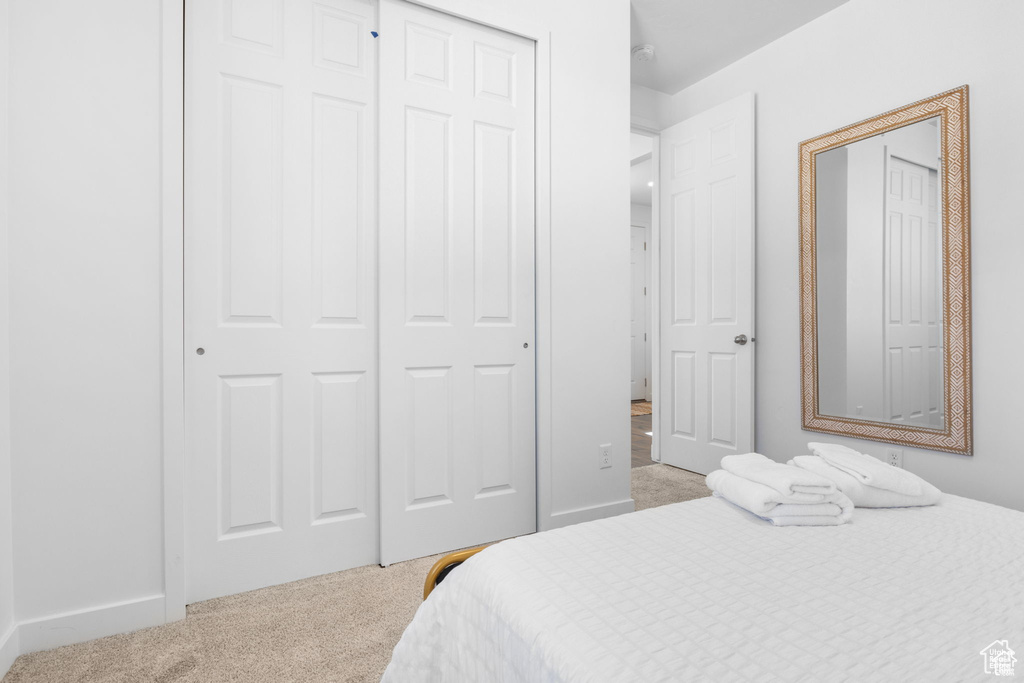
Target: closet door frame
[172, 222]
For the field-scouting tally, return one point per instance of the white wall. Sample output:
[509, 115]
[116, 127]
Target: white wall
[85, 298]
[861, 59]
[649, 108]
[85, 305]
[8, 634]
[589, 255]
[865, 279]
[640, 214]
[831, 238]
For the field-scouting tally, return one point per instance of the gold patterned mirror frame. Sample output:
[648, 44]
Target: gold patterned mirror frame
[956, 436]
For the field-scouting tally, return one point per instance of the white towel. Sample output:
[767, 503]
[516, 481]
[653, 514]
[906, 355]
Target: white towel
[867, 470]
[800, 485]
[779, 509]
[862, 495]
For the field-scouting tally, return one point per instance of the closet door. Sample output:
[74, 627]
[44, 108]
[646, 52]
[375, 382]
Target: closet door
[281, 381]
[457, 429]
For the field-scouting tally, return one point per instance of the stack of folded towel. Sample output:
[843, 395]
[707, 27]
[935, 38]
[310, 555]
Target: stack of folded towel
[869, 482]
[782, 494]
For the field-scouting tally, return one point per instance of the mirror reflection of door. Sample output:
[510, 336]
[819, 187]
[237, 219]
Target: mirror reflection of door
[913, 337]
[879, 276]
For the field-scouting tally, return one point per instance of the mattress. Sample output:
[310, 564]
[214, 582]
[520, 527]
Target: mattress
[703, 590]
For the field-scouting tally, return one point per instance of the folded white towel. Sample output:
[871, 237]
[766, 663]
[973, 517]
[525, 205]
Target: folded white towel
[802, 486]
[862, 495]
[781, 510]
[867, 470]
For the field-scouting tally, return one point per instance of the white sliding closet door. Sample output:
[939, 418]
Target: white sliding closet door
[281, 473]
[456, 283]
[706, 397]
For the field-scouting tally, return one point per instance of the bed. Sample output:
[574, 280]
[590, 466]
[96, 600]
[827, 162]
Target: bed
[703, 590]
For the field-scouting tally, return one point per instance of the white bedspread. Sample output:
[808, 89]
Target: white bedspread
[706, 591]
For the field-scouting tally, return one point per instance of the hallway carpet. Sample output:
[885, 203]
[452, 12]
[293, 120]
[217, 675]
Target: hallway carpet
[338, 627]
[640, 408]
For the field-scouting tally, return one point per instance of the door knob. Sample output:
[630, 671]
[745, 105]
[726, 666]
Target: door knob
[740, 339]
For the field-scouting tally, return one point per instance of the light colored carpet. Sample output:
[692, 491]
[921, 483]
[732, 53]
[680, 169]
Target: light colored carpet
[339, 627]
[654, 485]
[638, 408]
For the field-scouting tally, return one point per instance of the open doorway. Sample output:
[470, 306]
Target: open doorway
[642, 176]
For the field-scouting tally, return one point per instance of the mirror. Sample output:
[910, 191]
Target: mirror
[885, 277]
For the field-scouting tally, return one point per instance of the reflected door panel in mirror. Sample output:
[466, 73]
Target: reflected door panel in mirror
[878, 289]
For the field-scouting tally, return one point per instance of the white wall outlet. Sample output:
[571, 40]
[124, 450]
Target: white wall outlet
[604, 456]
[894, 456]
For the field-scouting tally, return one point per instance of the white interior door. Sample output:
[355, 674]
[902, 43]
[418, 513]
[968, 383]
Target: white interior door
[281, 472]
[457, 434]
[913, 333]
[706, 394]
[638, 311]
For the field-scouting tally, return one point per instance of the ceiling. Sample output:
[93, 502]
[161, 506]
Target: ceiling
[693, 39]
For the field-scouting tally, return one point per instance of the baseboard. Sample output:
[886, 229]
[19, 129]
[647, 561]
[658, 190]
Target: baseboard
[9, 649]
[590, 513]
[97, 622]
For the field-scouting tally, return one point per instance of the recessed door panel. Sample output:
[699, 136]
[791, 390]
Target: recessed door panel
[428, 215]
[250, 454]
[429, 448]
[723, 285]
[722, 378]
[339, 213]
[340, 414]
[339, 40]
[252, 24]
[252, 220]
[494, 222]
[494, 403]
[684, 400]
[682, 219]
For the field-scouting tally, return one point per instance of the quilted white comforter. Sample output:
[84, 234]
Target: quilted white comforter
[705, 591]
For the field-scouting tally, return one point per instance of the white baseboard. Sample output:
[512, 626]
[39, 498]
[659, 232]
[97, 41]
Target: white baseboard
[9, 649]
[96, 622]
[590, 513]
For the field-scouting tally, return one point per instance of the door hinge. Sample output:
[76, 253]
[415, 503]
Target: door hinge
[645, 339]
[645, 246]
[645, 291]
[645, 381]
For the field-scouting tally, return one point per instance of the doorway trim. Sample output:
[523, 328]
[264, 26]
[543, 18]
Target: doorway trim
[172, 303]
[172, 274]
[654, 275]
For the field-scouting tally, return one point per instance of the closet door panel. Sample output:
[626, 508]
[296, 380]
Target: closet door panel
[457, 283]
[280, 276]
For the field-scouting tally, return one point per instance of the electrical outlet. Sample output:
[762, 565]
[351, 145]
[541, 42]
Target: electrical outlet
[894, 456]
[604, 453]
